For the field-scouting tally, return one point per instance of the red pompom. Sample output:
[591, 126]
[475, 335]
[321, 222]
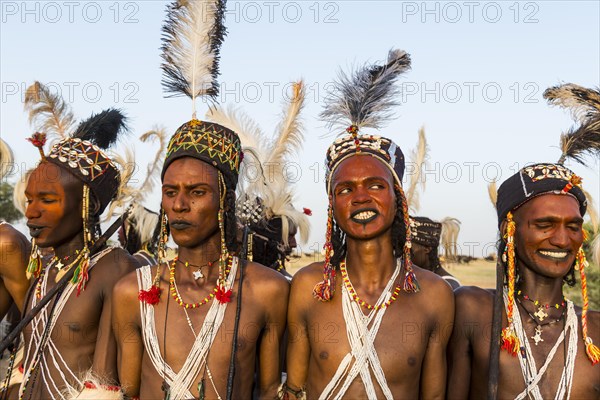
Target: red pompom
[38, 139]
[307, 211]
[222, 295]
[150, 296]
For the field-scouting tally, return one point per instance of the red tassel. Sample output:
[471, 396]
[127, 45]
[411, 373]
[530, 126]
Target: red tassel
[411, 284]
[150, 296]
[322, 291]
[222, 295]
[509, 341]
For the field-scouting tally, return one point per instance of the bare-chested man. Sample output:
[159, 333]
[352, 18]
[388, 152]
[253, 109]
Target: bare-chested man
[367, 323]
[540, 216]
[66, 194]
[14, 251]
[175, 322]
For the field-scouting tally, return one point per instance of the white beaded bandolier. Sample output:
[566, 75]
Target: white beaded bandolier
[361, 331]
[51, 361]
[531, 375]
[181, 382]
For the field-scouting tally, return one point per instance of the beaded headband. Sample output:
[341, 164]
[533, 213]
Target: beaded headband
[425, 231]
[208, 142]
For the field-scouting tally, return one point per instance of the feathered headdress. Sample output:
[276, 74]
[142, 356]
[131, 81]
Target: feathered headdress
[449, 238]
[539, 179]
[140, 219]
[365, 99]
[6, 159]
[264, 191]
[82, 155]
[191, 42]
[584, 104]
[48, 112]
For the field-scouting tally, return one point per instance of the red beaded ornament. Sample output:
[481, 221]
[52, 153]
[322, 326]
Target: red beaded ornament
[358, 300]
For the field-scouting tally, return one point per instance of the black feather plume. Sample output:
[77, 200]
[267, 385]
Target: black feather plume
[366, 97]
[192, 36]
[584, 104]
[102, 129]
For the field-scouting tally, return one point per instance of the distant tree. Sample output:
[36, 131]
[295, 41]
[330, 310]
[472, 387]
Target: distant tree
[8, 212]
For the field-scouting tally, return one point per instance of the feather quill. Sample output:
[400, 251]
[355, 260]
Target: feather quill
[48, 111]
[192, 36]
[102, 129]
[449, 237]
[365, 98]
[418, 160]
[584, 105]
[125, 194]
[493, 192]
[289, 137]
[153, 169]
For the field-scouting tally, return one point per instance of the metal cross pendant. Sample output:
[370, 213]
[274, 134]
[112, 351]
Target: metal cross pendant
[59, 265]
[538, 335]
[541, 314]
[198, 274]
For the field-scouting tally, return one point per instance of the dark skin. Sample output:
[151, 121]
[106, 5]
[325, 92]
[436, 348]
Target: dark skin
[421, 256]
[14, 250]
[82, 334]
[191, 197]
[547, 238]
[411, 341]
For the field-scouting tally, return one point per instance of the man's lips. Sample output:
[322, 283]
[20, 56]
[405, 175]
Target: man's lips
[180, 225]
[35, 230]
[557, 255]
[364, 216]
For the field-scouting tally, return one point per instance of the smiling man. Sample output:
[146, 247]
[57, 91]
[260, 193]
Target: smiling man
[66, 195]
[363, 324]
[540, 217]
[540, 213]
[175, 321]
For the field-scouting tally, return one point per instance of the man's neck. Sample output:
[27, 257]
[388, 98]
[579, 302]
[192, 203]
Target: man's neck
[205, 255]
[540, 288]
[372, 262]
[70, 247]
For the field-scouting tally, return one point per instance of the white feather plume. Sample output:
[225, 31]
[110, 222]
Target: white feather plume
[418, 162]
[6, 159]
[192, 37]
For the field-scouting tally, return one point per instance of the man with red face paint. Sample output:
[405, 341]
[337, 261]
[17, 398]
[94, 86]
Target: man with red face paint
[367, 323]
[543, 354]
[71, 339]
[182, 314]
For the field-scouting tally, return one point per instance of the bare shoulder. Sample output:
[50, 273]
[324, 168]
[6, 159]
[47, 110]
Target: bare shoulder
[9, 234]
[474, 303]
[431, 282]
[13, 242]
[119, 262]
[266, 278]
[308, 276]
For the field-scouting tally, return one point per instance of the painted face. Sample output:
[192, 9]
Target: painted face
[53, 205]
[190, 197]
[364, 202]
[548, 234]
[420, 255]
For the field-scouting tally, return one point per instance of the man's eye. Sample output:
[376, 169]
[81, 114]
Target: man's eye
[377, 186]
[344, 191]
[169, 193]
[48, 201]
[199, 192]
[543, 225]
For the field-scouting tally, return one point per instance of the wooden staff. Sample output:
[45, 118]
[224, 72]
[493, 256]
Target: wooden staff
[494, 370]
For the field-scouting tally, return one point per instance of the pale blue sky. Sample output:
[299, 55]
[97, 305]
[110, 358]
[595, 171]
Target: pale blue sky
[479, 71]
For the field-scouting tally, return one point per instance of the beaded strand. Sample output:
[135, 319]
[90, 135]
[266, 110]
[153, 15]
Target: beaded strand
[177, 297]
[357, 299]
